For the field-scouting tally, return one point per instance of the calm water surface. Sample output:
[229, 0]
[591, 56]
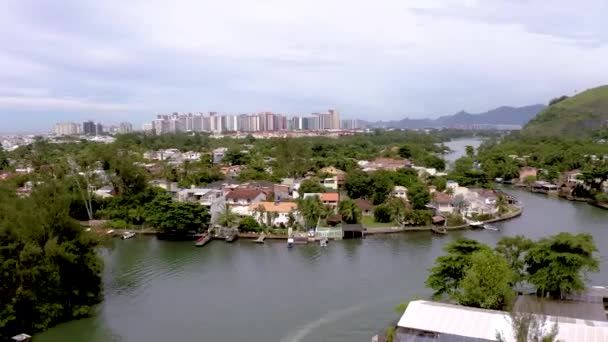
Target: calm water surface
[157, 291]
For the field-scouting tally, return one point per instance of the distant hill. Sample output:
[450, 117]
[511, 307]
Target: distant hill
[518, 116]
[578, 115]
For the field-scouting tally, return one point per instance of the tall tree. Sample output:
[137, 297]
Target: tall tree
[514, 249]
[311, 209]
[358, 184]
[311, 185]
[450, 269]
[487, 282]
[558, 265]
[382, 186]
[349, 211]
[227, 218]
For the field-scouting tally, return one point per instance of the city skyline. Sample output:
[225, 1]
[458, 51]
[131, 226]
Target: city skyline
[70, 60]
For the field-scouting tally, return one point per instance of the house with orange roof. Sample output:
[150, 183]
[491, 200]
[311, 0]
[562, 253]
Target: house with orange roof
[275, 213]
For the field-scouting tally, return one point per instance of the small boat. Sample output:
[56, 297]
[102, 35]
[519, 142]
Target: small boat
[289, 242]
[260, 239]
[491, 227]
[323, 242]
[439, 230]
[203, 240]
[110, 232]
[476, 224]
[127, 235]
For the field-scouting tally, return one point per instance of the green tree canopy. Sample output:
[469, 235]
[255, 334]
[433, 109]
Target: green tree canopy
[358, 184]
[514, 249]
[349, 211]
[382, 186]
[449, 270]
[311, 185]
[176, 217]
[487, 282]
[559, 264]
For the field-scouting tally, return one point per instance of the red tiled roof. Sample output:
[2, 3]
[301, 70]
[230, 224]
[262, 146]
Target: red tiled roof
[243, 193]
[330, 197]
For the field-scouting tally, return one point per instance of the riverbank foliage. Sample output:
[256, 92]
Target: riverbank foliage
[49, 268]
[476, 275]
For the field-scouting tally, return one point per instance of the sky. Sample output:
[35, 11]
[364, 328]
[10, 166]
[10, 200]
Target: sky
[117, 60]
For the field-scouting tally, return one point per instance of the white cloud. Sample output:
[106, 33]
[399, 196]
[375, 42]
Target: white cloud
[389, 58]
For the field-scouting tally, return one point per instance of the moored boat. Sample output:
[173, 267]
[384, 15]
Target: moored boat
[289, 242]
[491, 227]
[323, 242]
[260, 239]
[127, 235]
[476, 224]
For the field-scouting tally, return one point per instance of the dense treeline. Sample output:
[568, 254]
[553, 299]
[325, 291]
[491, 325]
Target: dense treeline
[49, 268]
[474, 274]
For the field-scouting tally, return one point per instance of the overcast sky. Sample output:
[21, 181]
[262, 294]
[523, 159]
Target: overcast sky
[127, 60]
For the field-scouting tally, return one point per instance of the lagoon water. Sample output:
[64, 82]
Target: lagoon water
[158, 291]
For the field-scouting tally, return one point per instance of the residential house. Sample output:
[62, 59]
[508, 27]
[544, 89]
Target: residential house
[480, 201]
[400, 192]
[442, 203]
[276, 213]
[526, 172]
[340, 176]
[282, 192]
[218, 154]
[331, 199]
[328, 198]
[366, 206]
[245, 197]
[572, 177]
[330, 183]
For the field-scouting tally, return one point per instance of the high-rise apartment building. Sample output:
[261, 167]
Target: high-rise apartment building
[261, 122]
[125, 127]
[66, 128]
[334, 119]
[89, 128]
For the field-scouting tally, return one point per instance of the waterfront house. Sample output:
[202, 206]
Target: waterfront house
[366, 206]
[400, 192]
[526, 172]
[442, 203]
[572, 177]
[434, 321]
[274, 213]
[544, 187]
[244, 197]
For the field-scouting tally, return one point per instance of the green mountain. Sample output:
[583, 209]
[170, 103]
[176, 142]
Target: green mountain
[575, 116]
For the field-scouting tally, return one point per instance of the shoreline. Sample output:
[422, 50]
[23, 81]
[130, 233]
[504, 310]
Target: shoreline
[368, 231]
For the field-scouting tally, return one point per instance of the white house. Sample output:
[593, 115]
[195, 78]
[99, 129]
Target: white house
[275, 213]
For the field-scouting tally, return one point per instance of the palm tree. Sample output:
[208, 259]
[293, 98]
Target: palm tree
[311, 209]
[227, 218]
[502, 204]
[349, 211]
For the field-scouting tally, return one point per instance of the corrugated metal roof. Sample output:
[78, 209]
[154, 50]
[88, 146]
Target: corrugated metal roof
[484, 324]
